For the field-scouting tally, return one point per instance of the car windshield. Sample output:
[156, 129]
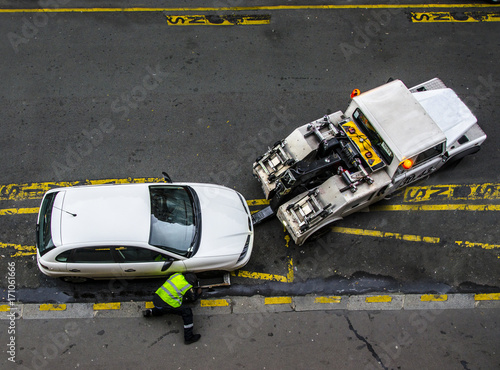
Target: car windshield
[44, 234]
[174, 223]
[380, 146]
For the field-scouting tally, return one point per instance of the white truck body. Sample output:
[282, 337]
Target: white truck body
[387, 138]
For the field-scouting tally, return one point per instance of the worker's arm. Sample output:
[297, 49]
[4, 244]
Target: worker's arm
[192, 295]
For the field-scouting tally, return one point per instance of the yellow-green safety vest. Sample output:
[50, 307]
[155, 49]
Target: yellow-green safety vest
[174, 289]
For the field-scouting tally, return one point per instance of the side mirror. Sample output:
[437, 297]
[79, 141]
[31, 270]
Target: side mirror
[166, 265]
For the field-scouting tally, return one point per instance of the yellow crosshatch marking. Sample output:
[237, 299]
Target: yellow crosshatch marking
[378, 299]
[277, 300]
[433, 17]
[106, 306]
[217, 20]
[487, 297]
[52, 307]
[332, 299]
[433, 298]
[214, 303]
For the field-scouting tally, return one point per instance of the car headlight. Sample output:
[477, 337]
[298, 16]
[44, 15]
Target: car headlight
[245, 249]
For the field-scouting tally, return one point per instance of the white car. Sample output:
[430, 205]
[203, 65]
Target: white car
[142, 230]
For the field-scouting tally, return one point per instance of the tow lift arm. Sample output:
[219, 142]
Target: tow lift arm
[334, 155]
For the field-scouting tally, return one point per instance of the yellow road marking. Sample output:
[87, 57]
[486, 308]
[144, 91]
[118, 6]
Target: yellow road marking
[278, 300]
[452, 192]
[259, 275]
[36, 190]
[4, 308]
[22, 250]
[407, 237]
[465, 17]
[437, 207]
[378, 299]
[331, 299]
[471, 245]
[106, 306]
[243, 8]
[487, 297]
[257, 202]
[289, 275]
[433, 298]
[380, 234]
[214, 303]
[149, 305]
[52, 307]
[217, 20]
[18, 211]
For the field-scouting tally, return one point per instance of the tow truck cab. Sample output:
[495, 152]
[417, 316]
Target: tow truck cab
[423, 127]
[387, 138]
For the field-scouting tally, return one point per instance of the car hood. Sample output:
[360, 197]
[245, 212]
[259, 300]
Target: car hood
[448, 111]
[225, 221]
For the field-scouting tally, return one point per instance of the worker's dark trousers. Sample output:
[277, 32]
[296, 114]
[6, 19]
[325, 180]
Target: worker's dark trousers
[162, 308]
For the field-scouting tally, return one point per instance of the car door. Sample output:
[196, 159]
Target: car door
[145, 262]
[92, 262]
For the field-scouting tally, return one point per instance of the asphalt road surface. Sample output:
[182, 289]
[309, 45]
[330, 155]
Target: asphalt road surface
[429, 339]
[128, 93]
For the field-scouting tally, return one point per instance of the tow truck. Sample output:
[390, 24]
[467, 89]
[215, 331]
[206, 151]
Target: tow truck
[388, 138]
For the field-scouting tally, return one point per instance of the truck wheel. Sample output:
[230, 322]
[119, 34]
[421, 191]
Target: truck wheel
[320, 233]
[453, 161]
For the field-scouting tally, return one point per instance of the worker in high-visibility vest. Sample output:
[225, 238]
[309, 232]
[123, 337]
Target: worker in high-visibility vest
[168, 299]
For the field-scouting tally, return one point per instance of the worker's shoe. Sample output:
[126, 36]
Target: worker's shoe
[193, 339]
[147, 313]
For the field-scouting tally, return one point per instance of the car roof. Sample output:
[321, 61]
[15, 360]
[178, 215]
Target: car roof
[400, 119]
[104, 213]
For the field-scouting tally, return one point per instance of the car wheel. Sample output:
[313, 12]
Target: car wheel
[74, 279]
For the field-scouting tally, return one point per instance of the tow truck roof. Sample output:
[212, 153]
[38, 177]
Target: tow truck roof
[400, 119]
